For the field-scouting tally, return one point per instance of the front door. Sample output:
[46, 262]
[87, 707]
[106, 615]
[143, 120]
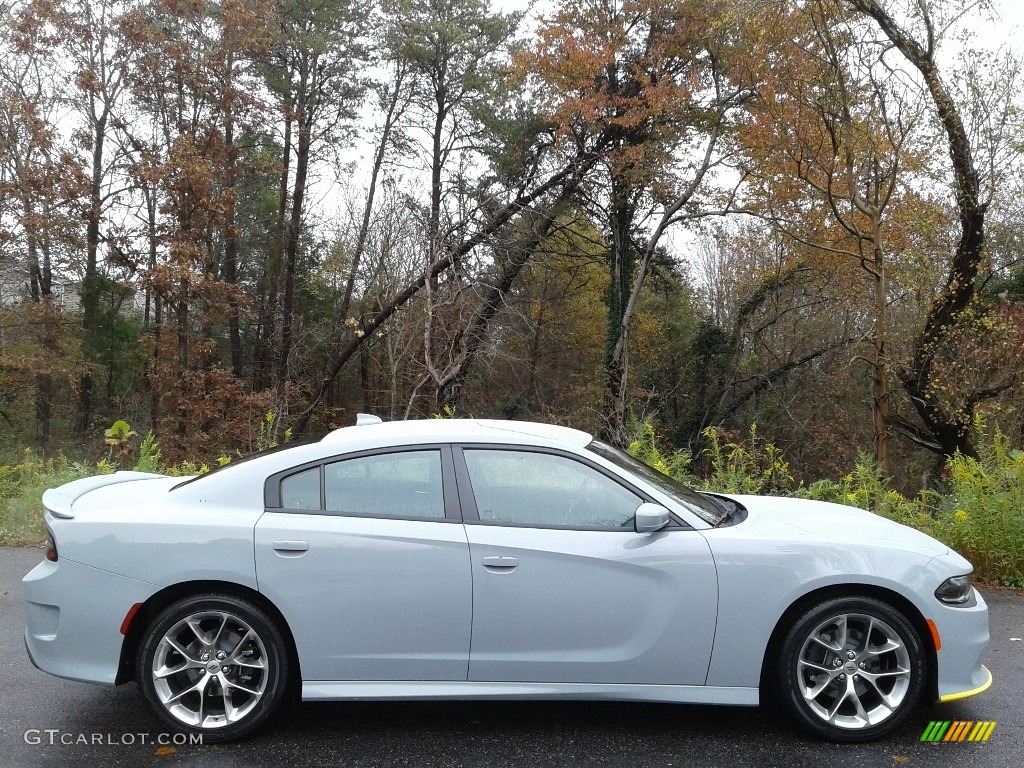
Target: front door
[564, 590]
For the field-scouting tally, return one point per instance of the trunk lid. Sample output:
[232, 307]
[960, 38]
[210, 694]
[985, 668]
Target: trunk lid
[63, 501]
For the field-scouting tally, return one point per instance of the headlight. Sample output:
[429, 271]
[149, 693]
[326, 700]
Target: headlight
[955, 590]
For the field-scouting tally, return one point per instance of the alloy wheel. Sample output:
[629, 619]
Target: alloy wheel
[210, 669]
[854, 671]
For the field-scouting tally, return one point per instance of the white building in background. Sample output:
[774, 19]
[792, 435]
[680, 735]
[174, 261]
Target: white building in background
[13, 284]
[14, 288]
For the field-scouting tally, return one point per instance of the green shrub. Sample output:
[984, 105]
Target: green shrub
[751, 466]
[150, 455]
[22, 486]
[266, 434]
[865, 487]
[983, 516]
[21, 490]
[644, 446]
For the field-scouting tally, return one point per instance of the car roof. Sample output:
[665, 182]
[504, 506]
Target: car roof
[459, 430]
[235, 480]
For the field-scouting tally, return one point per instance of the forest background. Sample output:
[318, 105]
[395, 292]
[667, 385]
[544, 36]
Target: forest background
[770, 245]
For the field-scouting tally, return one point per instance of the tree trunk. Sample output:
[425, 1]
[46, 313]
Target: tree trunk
[621, 263]
[153, 317]
[305, 124]
[950, 433]
[40, 291]
[268, 321]
[229, 273]
[881, 362]
[90, 280]
[364, 379]
[154, 366]
[629, 272]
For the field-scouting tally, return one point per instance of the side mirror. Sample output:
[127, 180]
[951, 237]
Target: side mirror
[651, 517]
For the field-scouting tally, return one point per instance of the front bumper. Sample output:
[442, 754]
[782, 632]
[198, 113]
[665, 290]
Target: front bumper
[964, 637]
[73, 617]
[985, 685]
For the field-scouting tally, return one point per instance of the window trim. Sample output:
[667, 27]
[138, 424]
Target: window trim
[467, 497]
[449, 491]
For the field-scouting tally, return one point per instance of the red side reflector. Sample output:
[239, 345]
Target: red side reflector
[129, 617]
[935, 634]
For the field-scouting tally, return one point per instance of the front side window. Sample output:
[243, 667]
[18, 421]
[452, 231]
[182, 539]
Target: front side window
[542, 489]
[406, 484]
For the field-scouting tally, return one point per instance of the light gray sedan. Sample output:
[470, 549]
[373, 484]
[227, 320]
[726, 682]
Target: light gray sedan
[474, 559]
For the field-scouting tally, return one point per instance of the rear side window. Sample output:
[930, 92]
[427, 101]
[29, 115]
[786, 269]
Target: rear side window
[406, 484]
[302, 490]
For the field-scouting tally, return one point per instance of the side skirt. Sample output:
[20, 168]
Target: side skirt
[323, 690]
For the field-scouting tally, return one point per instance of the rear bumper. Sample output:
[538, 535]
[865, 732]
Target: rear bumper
[73, 617]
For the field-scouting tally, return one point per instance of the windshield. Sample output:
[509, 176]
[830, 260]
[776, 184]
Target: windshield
[704, 507]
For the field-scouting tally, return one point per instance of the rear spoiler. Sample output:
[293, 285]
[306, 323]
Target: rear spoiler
[59, 500]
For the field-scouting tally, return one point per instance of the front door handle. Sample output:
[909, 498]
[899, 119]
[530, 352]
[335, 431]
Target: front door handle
[499, 564]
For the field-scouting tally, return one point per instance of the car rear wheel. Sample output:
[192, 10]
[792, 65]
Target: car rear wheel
[214, 665]
[851, 669]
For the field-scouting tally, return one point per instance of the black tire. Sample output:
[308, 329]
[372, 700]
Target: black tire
[198, 690]
[851, 669]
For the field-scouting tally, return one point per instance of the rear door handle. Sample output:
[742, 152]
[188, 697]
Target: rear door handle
[500, 563]
[290, 548]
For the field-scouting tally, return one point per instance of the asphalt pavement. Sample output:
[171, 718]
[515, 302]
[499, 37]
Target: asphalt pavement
[51, 722]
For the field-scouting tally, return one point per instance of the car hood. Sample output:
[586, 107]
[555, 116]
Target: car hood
[772, 517]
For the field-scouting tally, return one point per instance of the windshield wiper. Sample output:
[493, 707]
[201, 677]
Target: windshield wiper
[727, 506]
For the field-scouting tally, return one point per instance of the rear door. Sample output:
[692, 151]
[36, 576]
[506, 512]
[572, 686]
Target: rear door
[565, 590]
[367, 559]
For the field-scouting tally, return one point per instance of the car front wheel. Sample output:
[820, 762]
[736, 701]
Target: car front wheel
[214, 665]
[851, 669]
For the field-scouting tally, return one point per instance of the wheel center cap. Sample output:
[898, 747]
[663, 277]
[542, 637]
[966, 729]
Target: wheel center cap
[213, 667]
[850, 667]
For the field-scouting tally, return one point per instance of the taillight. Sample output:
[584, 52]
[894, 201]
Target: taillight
[51, 547]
